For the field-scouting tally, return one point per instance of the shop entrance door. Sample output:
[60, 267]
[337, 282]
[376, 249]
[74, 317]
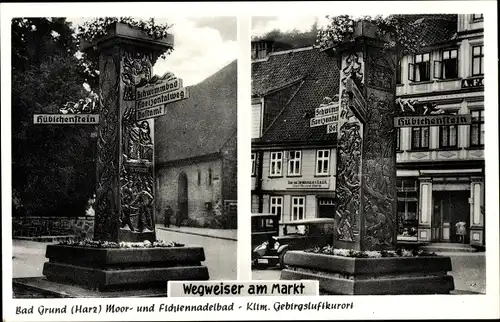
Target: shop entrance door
[450, 207]
[326, 208]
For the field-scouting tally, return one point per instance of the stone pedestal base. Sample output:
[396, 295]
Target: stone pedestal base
[371, 276]
[40, 287]
[135, 237]
[118, 269]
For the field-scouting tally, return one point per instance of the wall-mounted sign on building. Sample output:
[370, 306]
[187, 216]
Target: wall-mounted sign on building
[432, 120]
[473, 82]
[308, 184]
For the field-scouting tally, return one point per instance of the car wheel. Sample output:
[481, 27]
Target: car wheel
[282, 260]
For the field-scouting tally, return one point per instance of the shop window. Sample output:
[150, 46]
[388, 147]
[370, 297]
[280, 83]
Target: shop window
[276, 206]
[399, 72]
[448, 136]
[477, 128]
[294, 158]
[298, 208]
[252, 156]
[477, 60]
[447, 67]
[420, 70]
[419, 138]
[407, 190]
[276, 164]
[322, 162]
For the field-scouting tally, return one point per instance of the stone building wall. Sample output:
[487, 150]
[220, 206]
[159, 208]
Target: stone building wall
[200, 192]
[79, 227]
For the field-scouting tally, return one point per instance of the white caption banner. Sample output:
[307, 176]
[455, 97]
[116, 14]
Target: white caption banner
[235, 288]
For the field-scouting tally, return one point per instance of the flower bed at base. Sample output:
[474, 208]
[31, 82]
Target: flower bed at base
[400, 252]
[107, 244]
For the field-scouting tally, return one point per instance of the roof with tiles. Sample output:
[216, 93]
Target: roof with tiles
[202, 124]
[434, 28]
[320, 78]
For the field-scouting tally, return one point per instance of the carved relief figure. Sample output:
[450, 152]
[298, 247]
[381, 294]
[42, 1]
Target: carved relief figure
[136, 200]
[136, 72]
[378, 183]
[349, 152]
[348, 183]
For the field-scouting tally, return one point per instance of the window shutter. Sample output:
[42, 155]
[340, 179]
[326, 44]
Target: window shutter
[438, 70]
[411, 68]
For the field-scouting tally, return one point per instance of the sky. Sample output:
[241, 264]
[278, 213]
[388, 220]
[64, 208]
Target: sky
[262, 25]
[202, 46]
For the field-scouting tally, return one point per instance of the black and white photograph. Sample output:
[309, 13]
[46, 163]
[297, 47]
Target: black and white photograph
[367, 153]
[124, 150]
[203, 161]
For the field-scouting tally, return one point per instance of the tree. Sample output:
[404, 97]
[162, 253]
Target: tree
[52, 166]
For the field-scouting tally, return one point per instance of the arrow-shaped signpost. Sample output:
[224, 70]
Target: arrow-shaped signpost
[326, 114]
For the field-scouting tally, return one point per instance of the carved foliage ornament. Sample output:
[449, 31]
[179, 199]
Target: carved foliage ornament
[107, 158]
[87, 105]
[414, 107]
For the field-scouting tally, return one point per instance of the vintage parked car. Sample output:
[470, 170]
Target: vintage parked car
[296, 235]
[264, 228]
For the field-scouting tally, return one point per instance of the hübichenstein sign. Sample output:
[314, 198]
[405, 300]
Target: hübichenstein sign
[432, 120]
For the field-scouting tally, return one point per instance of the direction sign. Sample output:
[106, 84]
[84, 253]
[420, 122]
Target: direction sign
[84, 119]
[162, 99]
[329, 109]
[160, 87]
[324, 120]
[151, 112]
[357, 100]
[332, 128]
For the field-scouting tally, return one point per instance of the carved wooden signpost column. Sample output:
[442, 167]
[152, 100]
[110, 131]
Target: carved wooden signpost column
[366, 174]
[130, 98]
[366, 180]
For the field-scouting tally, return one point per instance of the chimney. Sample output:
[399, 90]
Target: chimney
[261, 48]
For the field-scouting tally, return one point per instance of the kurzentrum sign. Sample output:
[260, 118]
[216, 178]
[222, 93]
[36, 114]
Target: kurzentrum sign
[432, 120]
